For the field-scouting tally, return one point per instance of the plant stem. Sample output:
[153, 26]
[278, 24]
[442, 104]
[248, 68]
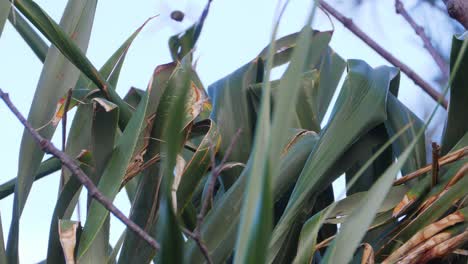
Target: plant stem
[400, 9]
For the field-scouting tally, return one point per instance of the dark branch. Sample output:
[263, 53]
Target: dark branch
[348, 23]
[197, 238]
[93, 191]
[400, 9]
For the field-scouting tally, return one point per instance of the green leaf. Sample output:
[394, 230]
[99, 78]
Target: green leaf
[197, 166]
[456, 125]
[146, 195]
[232, 111]
[345, 207]
[220, 225]
[112, 176]
[355, 227]
[256, 217]
[30, 36]
[115, 251]
[65, 199]
[61, 40]
[359, 108]
[3, 256]
[168, 230]
[104, 132]
[337, 211]
[5, 6]
[308, 238]
[79, 137]
[46, 168]
[367, 178]
[57, 76]
[398, 117]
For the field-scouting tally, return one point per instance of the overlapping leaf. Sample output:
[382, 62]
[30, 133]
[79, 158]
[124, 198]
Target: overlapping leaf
[359, 108]
[70, 50]
[456, 125]
[112, 176]
[57, 76]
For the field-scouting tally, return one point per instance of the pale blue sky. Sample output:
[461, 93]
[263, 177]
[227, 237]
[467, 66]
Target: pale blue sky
[234, 33]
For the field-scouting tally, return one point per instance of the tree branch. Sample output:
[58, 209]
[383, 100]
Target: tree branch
[458, 10]
[400, 9]
[68, 162]
[349, 24]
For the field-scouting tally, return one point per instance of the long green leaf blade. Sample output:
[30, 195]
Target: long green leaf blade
[457, 125]
[71, 51]
[57, 76]
[168, 229]
[112, 176]
[354, 229]
[3, 256]
[359, 108]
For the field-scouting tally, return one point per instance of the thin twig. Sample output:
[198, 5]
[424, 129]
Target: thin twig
[435, 164]
[349, 24]
[215, 172]
[93, 191]
[400, 9]
[200, 243]
[449, 158]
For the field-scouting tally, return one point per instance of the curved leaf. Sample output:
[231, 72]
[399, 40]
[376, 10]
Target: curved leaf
[456, 125]
[398, 117]
[197, 166]
[112, 176]
[232, 111]
[256, 215]
[359, 107]
[72, 52]
[355, 227]
[219, 227]
[104, 130]
[46, 168]
[168, 230]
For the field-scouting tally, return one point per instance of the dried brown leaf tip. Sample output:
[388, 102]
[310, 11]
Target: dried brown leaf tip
[447, 159]
[425, 234]
[445, 248]
[67, 235]
[415, 254]
[405, 203]
[367, 254]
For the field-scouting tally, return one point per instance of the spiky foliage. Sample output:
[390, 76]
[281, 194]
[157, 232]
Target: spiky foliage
[242, 174]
